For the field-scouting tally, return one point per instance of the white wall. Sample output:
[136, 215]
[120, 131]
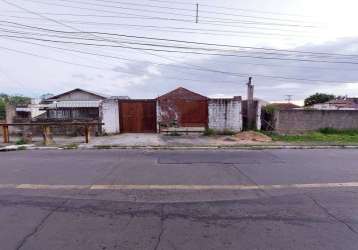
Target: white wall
[258, 115]
[110, 116]
[225, 114]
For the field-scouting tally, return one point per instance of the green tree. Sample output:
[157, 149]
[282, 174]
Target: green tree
[2, 109]
[318, 98]
[13, 100]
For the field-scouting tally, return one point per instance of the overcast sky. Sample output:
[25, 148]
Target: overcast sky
[318, 26]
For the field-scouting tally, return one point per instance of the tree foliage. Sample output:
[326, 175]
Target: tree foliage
[318, 98]
[13, 100]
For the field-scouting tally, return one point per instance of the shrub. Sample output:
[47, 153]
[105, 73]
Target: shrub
[210, 132]
[20, 142]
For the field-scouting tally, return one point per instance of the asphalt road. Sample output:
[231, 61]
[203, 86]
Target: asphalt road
[121, 199]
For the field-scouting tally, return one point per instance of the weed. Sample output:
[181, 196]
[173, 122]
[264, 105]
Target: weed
[210, 132]
[20, 142]
[103, 146]
[323, 135]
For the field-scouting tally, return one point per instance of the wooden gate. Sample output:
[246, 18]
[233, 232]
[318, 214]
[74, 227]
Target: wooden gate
[138, 116]
[193, 113]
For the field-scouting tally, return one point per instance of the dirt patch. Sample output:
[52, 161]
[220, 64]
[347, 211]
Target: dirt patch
[252, 136]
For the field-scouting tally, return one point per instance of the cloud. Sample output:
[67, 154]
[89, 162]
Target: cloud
[324, 77]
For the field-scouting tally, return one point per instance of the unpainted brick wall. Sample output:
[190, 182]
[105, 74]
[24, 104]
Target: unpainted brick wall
[225, 114]
[300, 121]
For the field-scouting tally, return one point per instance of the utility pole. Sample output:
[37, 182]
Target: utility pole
[197, 13]
[251, 114]
[289, 98]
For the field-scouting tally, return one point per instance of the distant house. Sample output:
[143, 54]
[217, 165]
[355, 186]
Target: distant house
[77, 104]
[285, 106]
[29, 111]
[338, 104]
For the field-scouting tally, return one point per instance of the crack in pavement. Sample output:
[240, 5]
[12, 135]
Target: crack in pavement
[251, 180]
[39, 225]
[48, 215]
[159, 239]
[323, 208]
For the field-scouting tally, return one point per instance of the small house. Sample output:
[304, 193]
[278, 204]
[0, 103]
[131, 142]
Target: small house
[77, 104]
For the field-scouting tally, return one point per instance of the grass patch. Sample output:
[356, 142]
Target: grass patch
[103, 146]
[213, 132]
[210, 132]
[323, 135]
[20, 142]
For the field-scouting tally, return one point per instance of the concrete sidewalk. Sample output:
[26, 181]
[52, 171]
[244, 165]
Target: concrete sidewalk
[164, 141]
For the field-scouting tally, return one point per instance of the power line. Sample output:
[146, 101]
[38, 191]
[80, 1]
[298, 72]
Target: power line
[130, 60]
[184, 41]
[97, 68]
[73, 28]
[139, 43]
[230, 8]
[183, 9]
[268, 76]
[53, 59]
[179, 51]
[159, 12]
[183, 30]
[162, 64]
[190, 48]
[139, 16]
[245, 26]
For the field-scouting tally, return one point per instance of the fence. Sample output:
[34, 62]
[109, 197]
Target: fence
[46, 129]
[300, 121]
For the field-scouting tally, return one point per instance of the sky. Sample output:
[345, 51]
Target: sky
[325, 29]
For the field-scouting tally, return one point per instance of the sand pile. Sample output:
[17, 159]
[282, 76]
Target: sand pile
[252, 136]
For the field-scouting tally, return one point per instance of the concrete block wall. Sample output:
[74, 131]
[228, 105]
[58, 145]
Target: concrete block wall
[110, 116]
[225, 114]
[300, 121]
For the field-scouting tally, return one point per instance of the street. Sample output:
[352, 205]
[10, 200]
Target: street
[166, 199]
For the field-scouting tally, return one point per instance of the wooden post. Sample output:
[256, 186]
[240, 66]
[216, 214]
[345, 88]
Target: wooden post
[87, 133]
[5, 134]
[47, 135]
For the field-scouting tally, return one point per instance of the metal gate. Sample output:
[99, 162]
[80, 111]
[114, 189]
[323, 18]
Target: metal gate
[138, 116]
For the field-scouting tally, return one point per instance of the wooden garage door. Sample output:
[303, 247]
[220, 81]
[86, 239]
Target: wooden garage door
[138, 116]
[193, 113]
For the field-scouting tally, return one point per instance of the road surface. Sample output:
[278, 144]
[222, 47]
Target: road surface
[213, 199]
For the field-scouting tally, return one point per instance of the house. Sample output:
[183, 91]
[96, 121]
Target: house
[284, 106]
[338, 104]
[77, 104]
[180, 109]
[25, 113]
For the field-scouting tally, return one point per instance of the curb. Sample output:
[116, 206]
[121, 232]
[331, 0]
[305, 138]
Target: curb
[250, 147]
